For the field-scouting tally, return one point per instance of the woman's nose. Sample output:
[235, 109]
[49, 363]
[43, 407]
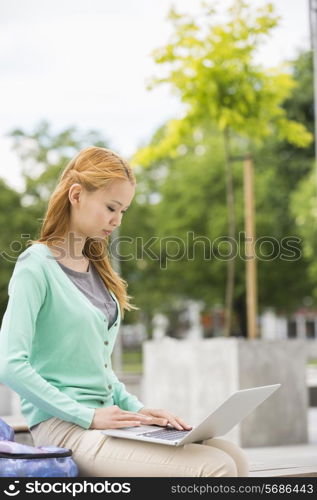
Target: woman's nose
[115, 221]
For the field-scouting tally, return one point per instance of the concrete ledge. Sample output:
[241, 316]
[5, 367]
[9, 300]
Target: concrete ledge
[286, 471]
[191, 378]
[17, 422]
[283, 461]
[277, 461]
[21, 430]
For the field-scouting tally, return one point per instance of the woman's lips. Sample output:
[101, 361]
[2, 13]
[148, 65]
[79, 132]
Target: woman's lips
[106, 232]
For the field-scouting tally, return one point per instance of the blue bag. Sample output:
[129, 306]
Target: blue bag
[20, 460]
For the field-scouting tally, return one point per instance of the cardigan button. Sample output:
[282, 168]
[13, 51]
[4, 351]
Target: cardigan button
[109, 387]
[106, 342]
[106, 365]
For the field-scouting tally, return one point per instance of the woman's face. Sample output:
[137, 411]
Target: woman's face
[93, 213]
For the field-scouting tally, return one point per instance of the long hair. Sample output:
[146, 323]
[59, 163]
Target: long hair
[93, 168]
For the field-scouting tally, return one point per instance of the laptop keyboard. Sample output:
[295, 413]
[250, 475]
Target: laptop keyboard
[166, 434]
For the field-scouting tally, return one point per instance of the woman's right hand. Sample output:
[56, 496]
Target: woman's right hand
[113, 417]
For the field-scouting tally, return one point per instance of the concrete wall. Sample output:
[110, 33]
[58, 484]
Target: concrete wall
[191, 378]
[311, 349]
[5, 400]
[9, 401]
[282, 419]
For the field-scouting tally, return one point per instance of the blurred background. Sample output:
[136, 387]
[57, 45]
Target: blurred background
[213, 105]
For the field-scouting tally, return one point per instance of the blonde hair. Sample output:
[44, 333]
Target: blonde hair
[93, 168]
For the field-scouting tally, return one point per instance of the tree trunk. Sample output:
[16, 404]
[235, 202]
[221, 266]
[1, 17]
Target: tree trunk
[231, 235]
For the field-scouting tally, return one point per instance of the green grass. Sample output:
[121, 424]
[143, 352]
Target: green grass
[313, 361]
[132, 361]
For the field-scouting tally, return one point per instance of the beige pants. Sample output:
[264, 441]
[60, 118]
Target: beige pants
[98, 455]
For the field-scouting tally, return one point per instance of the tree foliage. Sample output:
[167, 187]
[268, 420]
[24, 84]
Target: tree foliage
[211, 68]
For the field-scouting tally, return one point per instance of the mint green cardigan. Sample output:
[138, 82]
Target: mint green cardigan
[55, 345]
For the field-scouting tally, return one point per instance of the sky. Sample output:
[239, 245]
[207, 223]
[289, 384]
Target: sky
[87, 63]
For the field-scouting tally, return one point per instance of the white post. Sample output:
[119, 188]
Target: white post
[196, 328]
[160, 324]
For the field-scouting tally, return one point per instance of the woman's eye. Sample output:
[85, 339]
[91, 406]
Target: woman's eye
[113, 210]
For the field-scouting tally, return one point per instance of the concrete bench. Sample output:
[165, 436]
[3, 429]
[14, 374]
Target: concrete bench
[284, 471]
[278, 461]
[20, 427]
[283, 461]
[17, 422]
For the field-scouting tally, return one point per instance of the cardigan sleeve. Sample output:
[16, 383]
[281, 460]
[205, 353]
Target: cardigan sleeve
[122, 397]
[27, 291]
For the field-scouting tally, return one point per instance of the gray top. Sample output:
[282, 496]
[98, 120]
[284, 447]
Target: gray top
[91, 285]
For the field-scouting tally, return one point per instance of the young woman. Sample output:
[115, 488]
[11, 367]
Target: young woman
[65, 306]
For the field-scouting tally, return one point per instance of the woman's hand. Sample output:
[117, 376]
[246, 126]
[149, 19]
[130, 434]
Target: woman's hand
[163, 417]
[113, 417]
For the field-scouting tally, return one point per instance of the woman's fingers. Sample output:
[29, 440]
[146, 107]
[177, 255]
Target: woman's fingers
[125, 423]
[158, 417]
[163, 418]
[183, 424]
[175, 422]
[124, 414]
[159, 421]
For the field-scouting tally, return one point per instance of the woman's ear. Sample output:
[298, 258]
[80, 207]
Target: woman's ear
[74, 193]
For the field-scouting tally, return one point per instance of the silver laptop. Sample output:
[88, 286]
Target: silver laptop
[234, 409]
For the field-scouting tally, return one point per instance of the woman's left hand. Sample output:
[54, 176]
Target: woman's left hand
[163, 417]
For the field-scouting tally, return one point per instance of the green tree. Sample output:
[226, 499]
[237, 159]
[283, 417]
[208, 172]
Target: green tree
[282, 170]
[189, 209]
[212, 70]
[303, 205]
[14, 224]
